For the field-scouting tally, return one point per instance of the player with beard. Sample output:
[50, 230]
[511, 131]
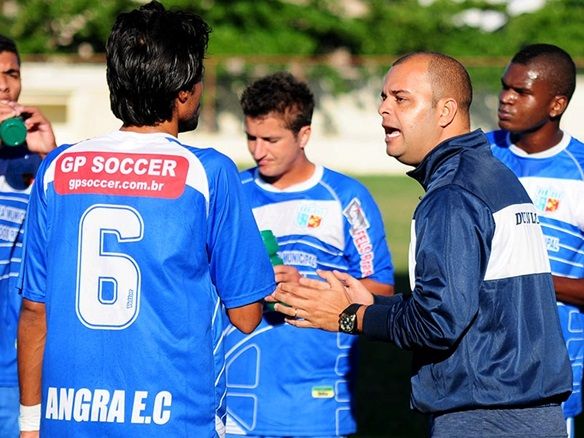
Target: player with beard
[133, 245]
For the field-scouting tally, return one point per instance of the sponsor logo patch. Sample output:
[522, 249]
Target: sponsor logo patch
[148, 175]
[323, 392]
[356, 217]
[359, 225]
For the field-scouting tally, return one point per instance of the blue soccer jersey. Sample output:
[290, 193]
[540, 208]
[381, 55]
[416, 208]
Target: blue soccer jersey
[285, 381]
[554, 180]
[134, 242]
[15, 173]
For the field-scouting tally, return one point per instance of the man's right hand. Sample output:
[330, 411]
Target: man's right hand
[40, 137]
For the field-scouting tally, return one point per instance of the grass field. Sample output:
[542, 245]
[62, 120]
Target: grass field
[383, 382]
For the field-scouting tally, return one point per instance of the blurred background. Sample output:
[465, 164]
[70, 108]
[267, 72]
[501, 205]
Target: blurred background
[342, 48]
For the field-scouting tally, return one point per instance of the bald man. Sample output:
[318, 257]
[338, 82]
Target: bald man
[487, 345]
[536, 88]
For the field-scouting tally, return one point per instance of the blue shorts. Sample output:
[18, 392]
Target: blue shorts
[9, 410]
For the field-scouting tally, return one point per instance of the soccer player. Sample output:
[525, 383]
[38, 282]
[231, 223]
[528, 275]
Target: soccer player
[283, 381]
[536, 88]
[488, 356]
[133, 243]
[18, 165]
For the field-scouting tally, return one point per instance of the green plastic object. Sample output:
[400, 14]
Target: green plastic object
[13, 131]
[272, 247]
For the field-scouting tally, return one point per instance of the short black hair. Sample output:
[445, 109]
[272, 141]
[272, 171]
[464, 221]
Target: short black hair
[448, 77]
[280, 93]
[556, 64]
[152, 55]
[8, 45]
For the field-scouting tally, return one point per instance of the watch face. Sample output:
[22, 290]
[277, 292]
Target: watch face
[347, 323]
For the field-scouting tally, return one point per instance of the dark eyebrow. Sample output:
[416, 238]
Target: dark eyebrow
[11, 71]
[517, 89]
[395, 92]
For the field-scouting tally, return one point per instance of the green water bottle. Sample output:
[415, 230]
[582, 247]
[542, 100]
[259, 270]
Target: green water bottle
[12, 131]
[271, 245]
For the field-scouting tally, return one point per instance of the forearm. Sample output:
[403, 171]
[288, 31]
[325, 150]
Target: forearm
[32, 331]
[569, 290]
[377, 288]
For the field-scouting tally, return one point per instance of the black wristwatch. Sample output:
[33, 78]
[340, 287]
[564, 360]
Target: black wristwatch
[348, 319]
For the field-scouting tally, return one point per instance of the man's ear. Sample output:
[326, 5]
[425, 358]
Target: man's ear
[304, 135]
[448, 109]
[558, 106]
[183, 96]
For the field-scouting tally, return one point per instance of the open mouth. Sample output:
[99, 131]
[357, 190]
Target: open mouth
[391, 132]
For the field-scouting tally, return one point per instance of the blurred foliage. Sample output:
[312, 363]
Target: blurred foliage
[328, 43]
[306, 27]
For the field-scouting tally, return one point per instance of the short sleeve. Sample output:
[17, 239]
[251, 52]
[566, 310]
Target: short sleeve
[240, 267]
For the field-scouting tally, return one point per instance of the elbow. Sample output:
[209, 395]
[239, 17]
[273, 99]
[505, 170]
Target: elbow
[246, 318]
[248, 326]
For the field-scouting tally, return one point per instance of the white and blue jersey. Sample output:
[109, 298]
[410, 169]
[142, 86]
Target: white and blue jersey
[17, 168]
[285, 381]
[15, 173]
[134, 242]
[554, 180]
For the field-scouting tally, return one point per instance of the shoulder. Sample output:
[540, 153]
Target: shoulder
[452, 204]
[345, 187]
[576, 148]
[499, 142]
[247, 175]
[211, 157]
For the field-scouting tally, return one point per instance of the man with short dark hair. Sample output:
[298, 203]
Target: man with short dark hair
[481, 321]
[18, 166]
[282, 381]
[537, 86]
[134, 244]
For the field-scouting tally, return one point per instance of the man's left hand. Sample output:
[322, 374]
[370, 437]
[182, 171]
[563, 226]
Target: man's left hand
[313, 303]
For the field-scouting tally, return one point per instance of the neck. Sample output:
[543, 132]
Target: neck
[166, 127]
[299, 174]
[539, 140]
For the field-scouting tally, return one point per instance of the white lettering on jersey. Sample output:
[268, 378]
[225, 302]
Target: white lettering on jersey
[103, 406]
[125, 165]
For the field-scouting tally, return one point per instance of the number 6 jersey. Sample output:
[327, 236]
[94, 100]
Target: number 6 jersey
[134, 242]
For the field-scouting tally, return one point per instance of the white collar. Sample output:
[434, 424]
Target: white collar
[298, 187]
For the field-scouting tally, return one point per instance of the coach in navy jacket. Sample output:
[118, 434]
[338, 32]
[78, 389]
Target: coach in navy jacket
[481, 319]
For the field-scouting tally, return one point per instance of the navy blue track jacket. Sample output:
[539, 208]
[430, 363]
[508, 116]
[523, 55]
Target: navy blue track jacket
[481, 319]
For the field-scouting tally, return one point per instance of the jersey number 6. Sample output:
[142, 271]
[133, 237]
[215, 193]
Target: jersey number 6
[108, 282]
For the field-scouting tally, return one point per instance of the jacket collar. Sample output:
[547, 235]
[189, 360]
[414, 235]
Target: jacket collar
[441, 153]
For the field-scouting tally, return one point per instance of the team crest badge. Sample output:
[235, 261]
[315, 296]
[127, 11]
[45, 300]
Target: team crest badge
[314, 221]
[548, 200]
[552, 204]
[309, 216]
